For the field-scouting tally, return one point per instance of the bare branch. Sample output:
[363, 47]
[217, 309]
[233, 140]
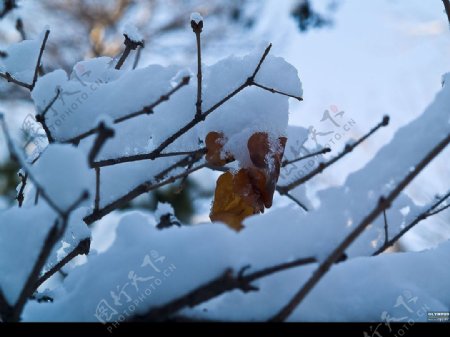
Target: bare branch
[220, 285]
[197, 29]
[288, 162]
[143, 156]
[146, 110]
[290, 196]
[53, 236]
[20, 196]
[81, 249]
[7, 76]
[322, 166]
[97, 189]
[338, 252]
[274, 91]
[422, 216]
[386, 232]
[104, 133]
[38, 63]
[130, 45]
[40, 117]
[137, 191]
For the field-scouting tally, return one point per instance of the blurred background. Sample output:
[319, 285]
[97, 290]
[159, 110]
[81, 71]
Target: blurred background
[361, 58]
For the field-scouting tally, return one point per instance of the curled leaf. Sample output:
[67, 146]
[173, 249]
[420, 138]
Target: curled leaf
[214, 144]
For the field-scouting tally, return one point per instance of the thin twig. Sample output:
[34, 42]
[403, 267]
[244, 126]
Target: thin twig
[53, 236]
[7, 76]
[197, 29]
[290, 196]
[137, 191]
[386, 233]
[20, 196]
[143, 156]
[338, 252]
[146, 110]
[104, 133]
[97, 189]
[422, 216]
[81, 249]
[38, 63]
[15, 156]
[40, 117]
[137, 58]
[274, 91]
[130, 45]
[226, 282]
[288, 162]
[322, 166]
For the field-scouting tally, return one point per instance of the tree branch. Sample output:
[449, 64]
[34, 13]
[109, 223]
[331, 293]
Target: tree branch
[20, 196]
[130, 45]
[104, 133]
[224, 283]
[7, 76]
[288, 162]
[40, 117]
[146, 110]
[322, 166]
[143, 156]
[82, 248]
[274, 91]
[338, 252]
[197, 29]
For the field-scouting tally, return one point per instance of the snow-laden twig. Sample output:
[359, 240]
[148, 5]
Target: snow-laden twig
[322, 166]
[130, 45]
[292, 161]
[422, 216]
[338, 252]
[143, 156]
[103, 134]
[40, 117]
[23, 182]
[137, 191]
[226, 282]
[82, 248]
[53, 236]
[15, 156]
[146, 110]
[30, 86]
[197, 27]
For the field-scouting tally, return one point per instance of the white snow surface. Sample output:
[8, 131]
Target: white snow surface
[21, 60]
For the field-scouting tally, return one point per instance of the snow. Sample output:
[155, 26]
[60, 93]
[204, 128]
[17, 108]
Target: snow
[399, 284]
[64, 173]
[196, 17]
[132, 32]
[183, 258]
[96, 91]
[22, 58]
[22, 233]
